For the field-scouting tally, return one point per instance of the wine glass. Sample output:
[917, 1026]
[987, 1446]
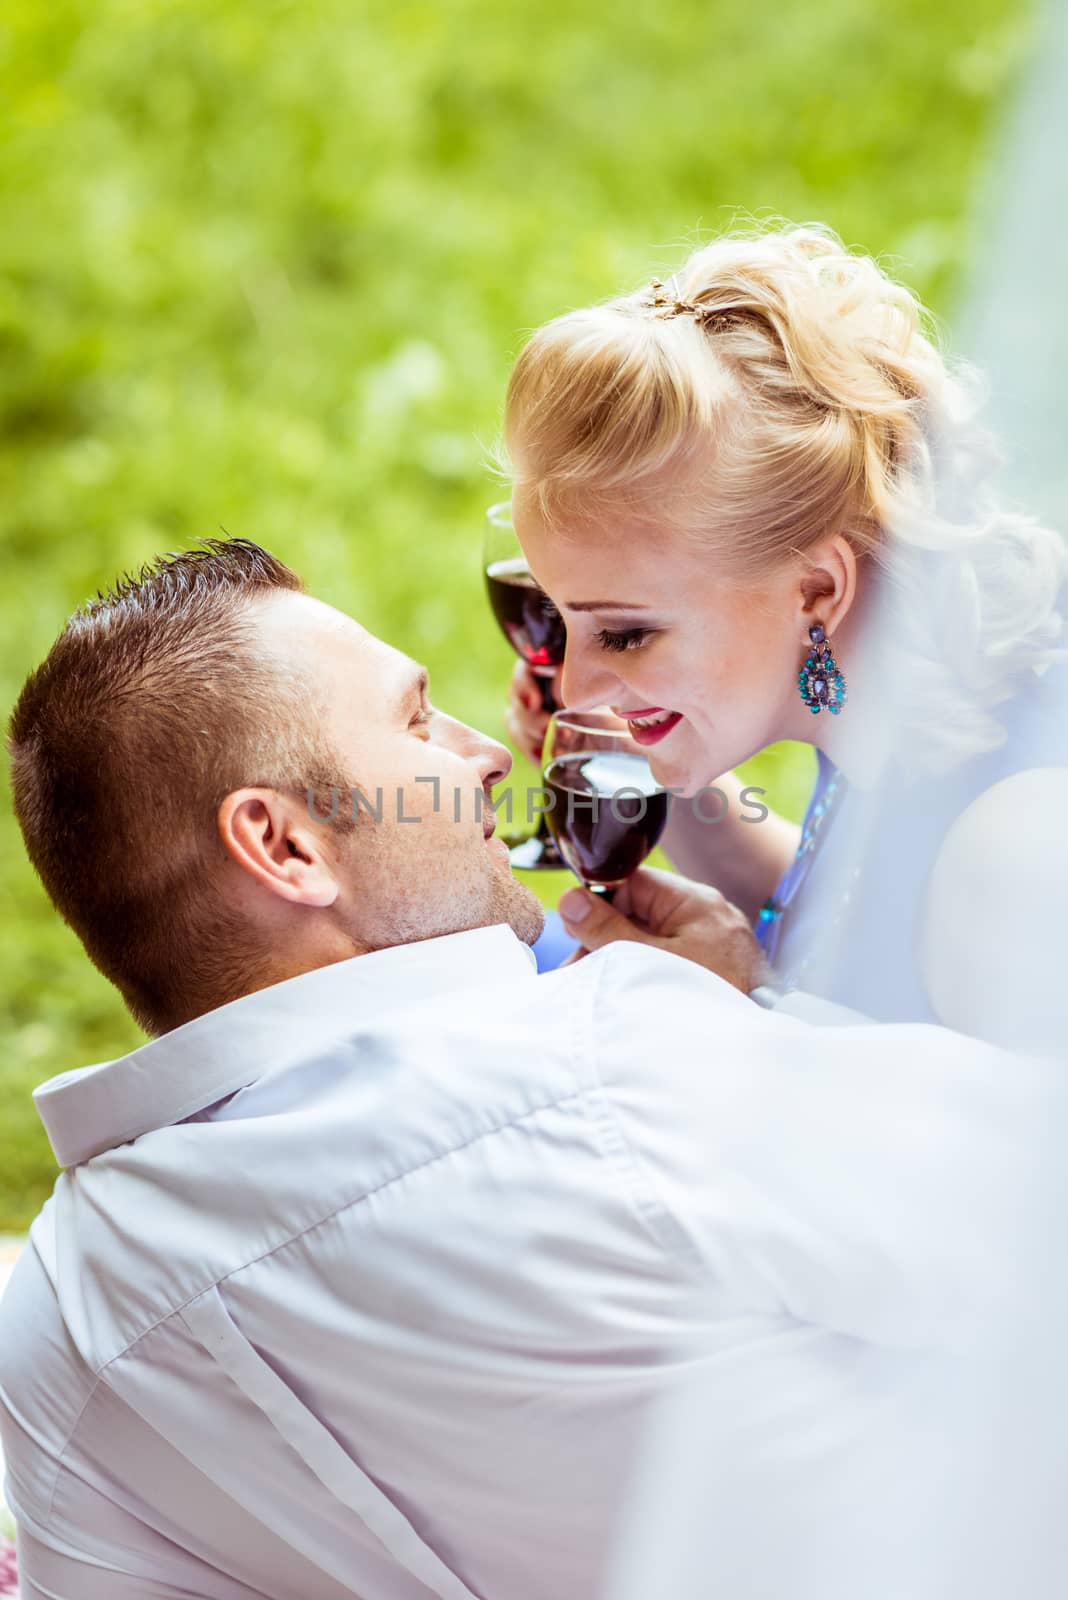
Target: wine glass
[535, 630]
[608, 810]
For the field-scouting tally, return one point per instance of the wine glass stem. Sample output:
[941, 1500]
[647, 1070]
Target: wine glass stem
[548, 703]
[548, 699]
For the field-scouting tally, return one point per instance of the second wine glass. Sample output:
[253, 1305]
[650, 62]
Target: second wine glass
[535, 630]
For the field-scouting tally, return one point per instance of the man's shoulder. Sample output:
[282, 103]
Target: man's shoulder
[493, 1109]
[447, 1107]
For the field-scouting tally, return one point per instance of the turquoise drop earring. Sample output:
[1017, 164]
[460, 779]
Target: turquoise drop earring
[819, 683]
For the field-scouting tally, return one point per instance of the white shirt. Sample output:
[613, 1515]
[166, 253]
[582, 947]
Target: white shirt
[366, 1284]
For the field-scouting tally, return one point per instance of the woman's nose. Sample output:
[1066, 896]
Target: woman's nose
[587, 681]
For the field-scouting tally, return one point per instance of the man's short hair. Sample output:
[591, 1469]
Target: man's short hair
[157, 700]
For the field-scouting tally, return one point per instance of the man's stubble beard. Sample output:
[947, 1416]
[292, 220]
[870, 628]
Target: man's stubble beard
[520, 908]
[476, 902]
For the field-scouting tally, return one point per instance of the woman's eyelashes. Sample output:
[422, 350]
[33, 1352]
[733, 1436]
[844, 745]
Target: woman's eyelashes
[625, 639]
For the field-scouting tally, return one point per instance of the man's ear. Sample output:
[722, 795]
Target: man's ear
[277, 843]
[829, 583]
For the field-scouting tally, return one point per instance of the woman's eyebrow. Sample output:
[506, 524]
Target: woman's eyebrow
[603, 605]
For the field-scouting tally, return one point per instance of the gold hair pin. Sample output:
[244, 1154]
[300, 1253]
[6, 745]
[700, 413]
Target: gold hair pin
[672, 304]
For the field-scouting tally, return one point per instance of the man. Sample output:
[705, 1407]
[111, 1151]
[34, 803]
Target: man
[368, 1271]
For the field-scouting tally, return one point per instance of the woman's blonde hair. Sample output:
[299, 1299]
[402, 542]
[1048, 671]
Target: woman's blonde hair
[777, 391]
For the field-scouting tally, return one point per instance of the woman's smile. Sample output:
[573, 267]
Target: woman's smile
[651, 725]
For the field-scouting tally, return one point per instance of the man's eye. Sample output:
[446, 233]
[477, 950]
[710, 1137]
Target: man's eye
[629, 639]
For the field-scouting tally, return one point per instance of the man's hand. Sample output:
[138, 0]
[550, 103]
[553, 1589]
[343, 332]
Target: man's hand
[671, 913]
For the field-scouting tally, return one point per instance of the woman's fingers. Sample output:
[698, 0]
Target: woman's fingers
[521, 735]
[525, 717]
[524, 686]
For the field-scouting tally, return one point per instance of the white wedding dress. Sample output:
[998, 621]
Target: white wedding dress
[944, 898]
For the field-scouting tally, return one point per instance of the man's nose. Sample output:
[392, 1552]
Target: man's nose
[495, 764]
[493, 760]
[587, 681]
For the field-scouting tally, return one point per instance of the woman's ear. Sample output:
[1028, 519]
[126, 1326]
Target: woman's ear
[279, 845]
[828, 584]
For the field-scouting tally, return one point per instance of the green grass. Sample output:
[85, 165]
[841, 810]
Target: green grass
[265, 266]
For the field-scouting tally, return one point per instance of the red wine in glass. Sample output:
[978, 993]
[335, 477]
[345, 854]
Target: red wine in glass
[608, 810]
[535, 630]
[608, 813]
[528, 619]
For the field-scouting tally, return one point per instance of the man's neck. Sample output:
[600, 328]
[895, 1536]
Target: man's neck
[311, 954]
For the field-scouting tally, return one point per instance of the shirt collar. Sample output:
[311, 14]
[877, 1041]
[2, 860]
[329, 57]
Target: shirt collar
[95, 1108]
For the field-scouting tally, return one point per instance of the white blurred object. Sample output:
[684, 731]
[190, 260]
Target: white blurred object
[993, 947]
[1013, 323]
[884, 1476]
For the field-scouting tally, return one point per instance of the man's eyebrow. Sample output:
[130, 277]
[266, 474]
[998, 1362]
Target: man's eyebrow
[416, 688]
[603, 605]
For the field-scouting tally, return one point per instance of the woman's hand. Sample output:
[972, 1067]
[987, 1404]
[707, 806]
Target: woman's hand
[671, 913]
[526, 717]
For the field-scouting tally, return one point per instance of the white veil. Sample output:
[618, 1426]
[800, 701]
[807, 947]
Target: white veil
[924, 1475]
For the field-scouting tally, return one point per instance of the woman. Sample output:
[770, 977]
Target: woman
[758, 499]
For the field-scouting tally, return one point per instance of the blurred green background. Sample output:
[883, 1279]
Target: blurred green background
[265, 266]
